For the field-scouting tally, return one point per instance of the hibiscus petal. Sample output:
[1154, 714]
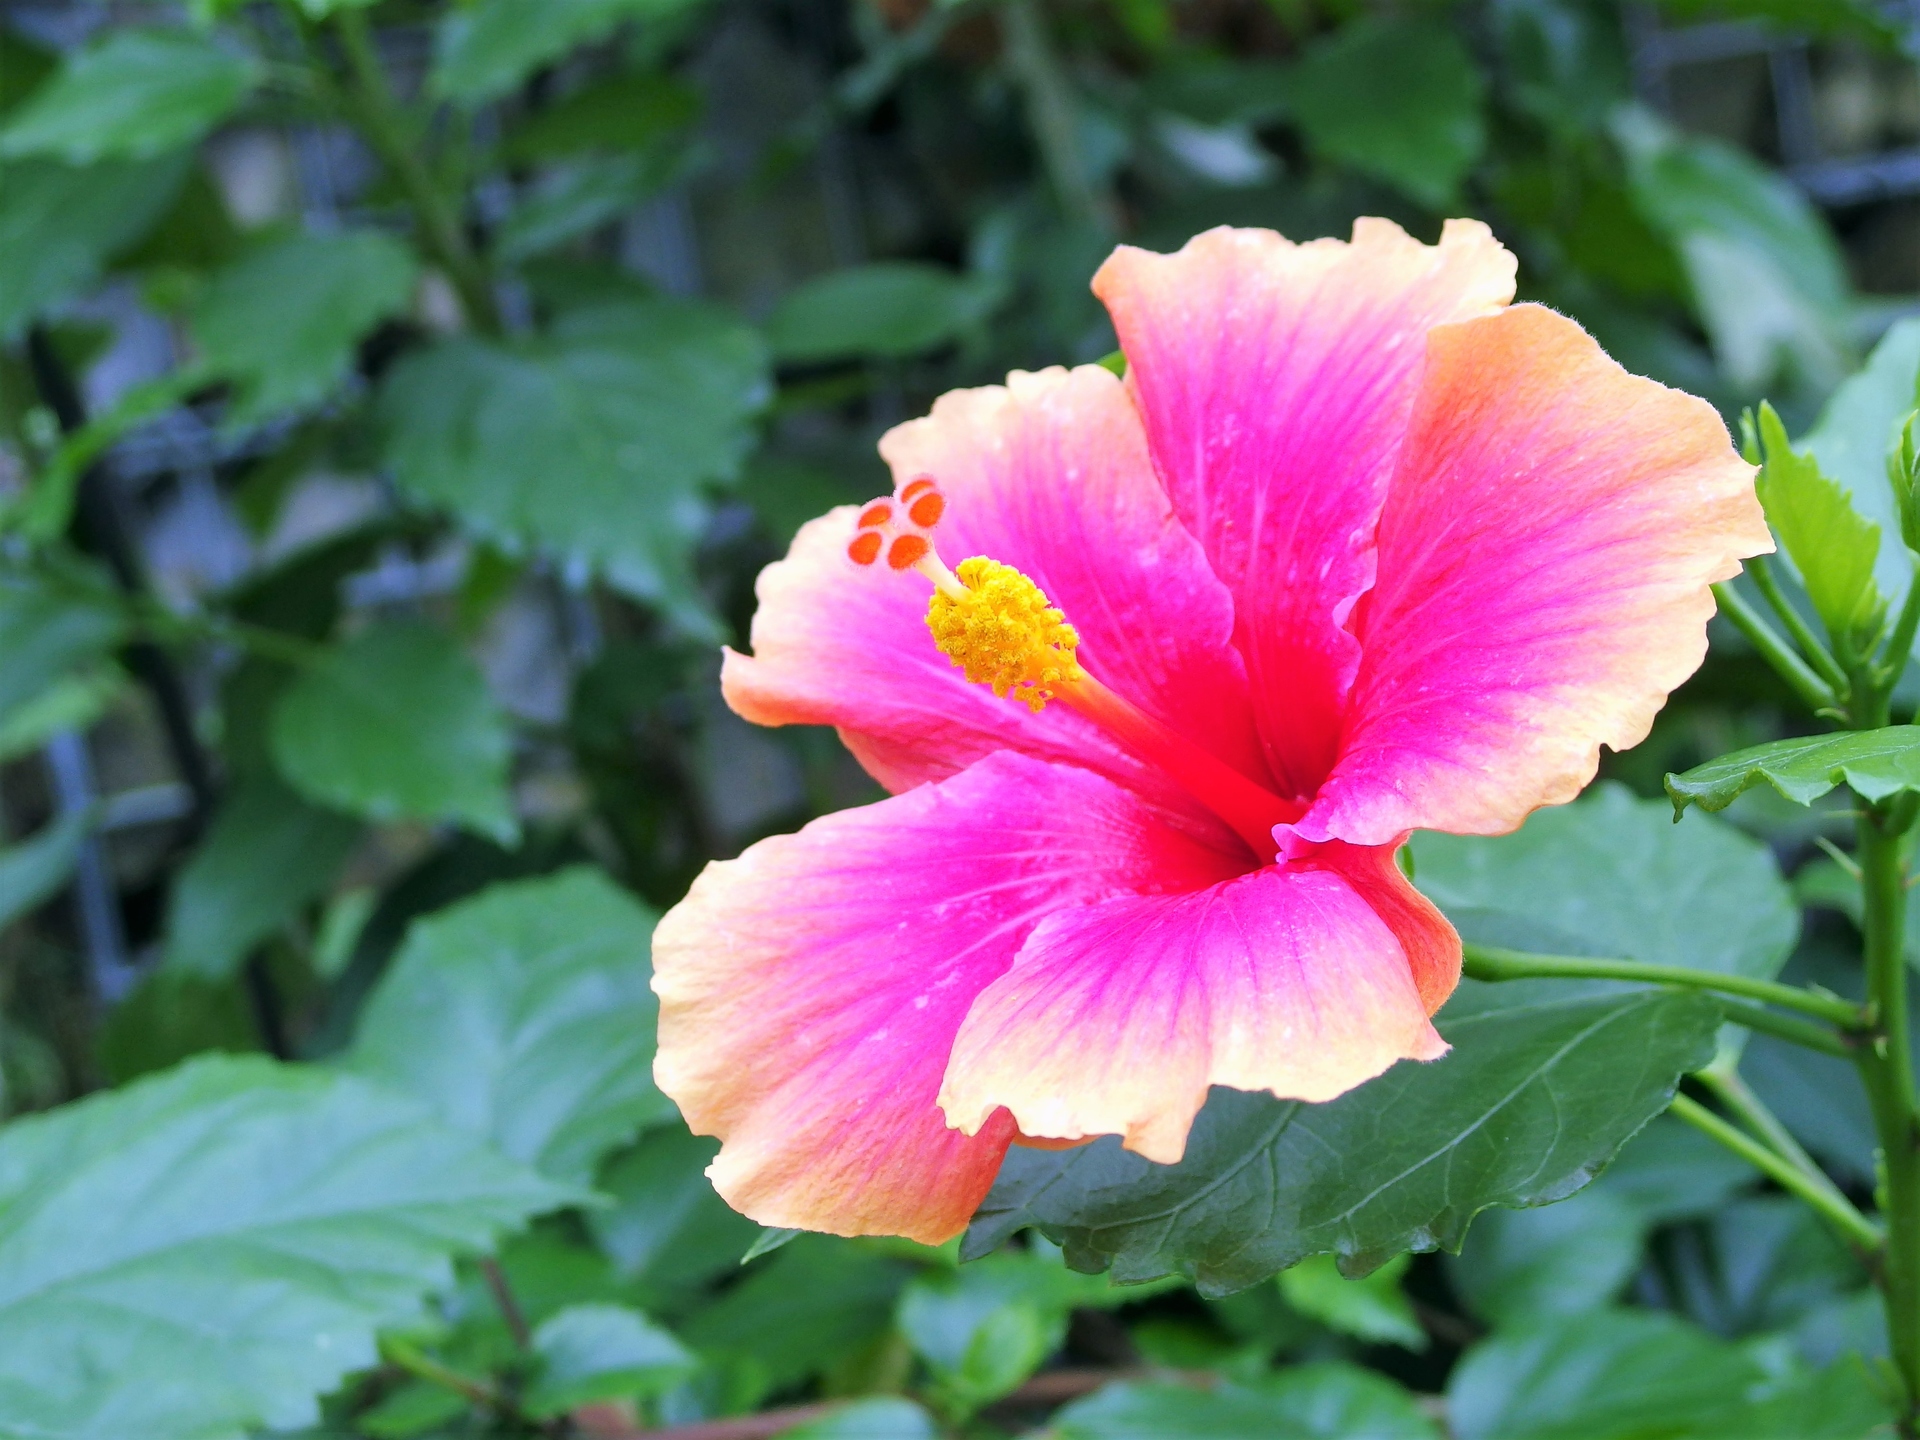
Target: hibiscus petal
[1275, 381]
[1545, 556]
[1050, 474]
[810, 990]
[1118, 1015]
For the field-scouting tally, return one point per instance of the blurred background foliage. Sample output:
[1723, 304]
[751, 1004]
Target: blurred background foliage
[397, 401]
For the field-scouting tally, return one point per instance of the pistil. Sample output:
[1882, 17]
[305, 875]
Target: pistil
[1000, 629]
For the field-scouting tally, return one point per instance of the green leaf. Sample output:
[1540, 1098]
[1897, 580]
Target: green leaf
[268, 854]
[485, 49]
[1371, 1308]
[59, 224]
[1519, 1265]
[1328, 1400]
[1613, 875]
[51, 635]
[525, 1014]
[1857, 428]
[1838, 19]
[1841, 1402]
[1545, 1081]
[134, 95]
[983, 1329]
[1605, 1375]
[597, 442]
[581, 196]
[666, 1229]
[1831, 545]
[594, 1353]
[801, 1309]
[282, 320]
[33, 871]
[878, 1417]
[208, 1249]
[887, 311]
[397, 724]
[1767, 277]
[72, 702]
[633, 111]
[1670, 1171]
[412, 1409]
[1873, 763]
[1395, 100]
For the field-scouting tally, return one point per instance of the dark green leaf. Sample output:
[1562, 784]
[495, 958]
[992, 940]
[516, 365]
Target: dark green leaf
[282, 321]
[1607, 1375]
[1371, 1308]
[802, 1308]
[1613, 875]
[397, 724]
[136, 94]
[1858, 427]
[48, 634]
[60, 223]
[597, 442]
[34, 870]
[579, 197]
[1395, 100]
[1544, 1083]
[622, 112]
[594, 1353]
[268, 854]
[1857, 19]
[411, 1410]
[1767, 277]
[207, 1250]
[887, 310]
[1562, 1259]
[168, 1017]
[1325, 1401]
[525, 1014]
[1874, 763]
[1670, 1171]
[1832, 546]
[485, 49]
[666, 1228]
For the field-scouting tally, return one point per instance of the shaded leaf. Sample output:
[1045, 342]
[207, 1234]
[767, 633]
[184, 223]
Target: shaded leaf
[1832, 546]
[267, 855]
[397, 724]
[1371, 1308]
[1329, 1400]
[1607, 1375]
[632, 111]
[887, 310]
[593, 1353]
[282, 320]
[525, 1014]
[1873, 763]
[1841, 1402]
[878, 1417]
[1612, 874]
[1395, 100]
[596, 442]
[1516, 1265]
[581, 196]
[33, 871]
[134, 95]
[667, 1229]
[49, 635]
[59, 224]
[208, 1249]
[483, 50]
[1544, 1083]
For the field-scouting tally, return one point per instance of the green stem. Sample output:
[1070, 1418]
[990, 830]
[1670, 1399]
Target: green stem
[1052, 113]
[1490, 962]
[378, 115]
[1886, 1067]
[1893, 659]
[1813, 691]
[1750, 1110]
[1850, 1222]
[1786, 1027]
[1817, 654]
[403, 1355]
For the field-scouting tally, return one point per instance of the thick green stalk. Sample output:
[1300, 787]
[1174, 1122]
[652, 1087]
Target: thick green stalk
[1886, 1065]
[378, 117]
[1490, 962]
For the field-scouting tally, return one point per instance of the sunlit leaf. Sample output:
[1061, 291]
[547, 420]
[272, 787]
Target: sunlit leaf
[206, 1250]
[525, 1014]
[397, 724]
[1831, 544]
[1874, 763]
[136, 94]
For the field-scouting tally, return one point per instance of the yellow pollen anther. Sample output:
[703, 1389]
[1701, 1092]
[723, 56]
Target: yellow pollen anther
[1002, 631]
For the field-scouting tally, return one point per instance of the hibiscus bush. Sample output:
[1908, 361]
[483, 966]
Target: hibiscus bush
[745, 718]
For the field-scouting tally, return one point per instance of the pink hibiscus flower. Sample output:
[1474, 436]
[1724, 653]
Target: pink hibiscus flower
[1355, 549]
